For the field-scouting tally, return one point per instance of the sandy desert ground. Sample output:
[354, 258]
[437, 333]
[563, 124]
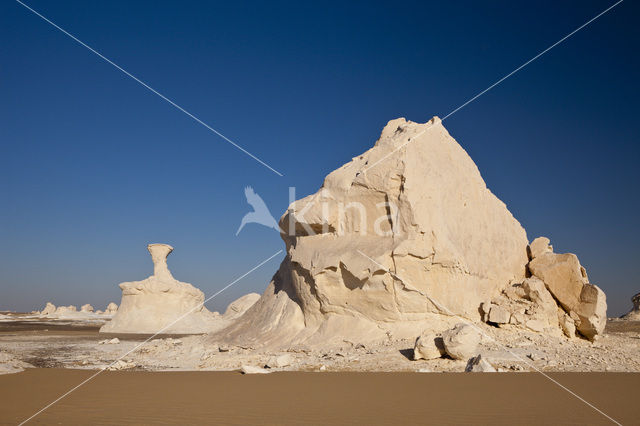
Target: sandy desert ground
[311, 398]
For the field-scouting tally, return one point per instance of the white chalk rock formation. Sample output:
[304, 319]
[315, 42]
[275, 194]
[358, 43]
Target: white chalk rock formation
[396, 239]
[49, 309]
[403, 239]
[111, 309]
[567, 281]
[86, 308]
[160, 303]
[461, 342]
[634, 313]
[62, 311]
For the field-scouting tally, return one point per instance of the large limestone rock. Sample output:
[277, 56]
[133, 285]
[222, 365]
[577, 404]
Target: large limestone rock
[160, 303]
[634, 314]
[567, 281]
[404, 235]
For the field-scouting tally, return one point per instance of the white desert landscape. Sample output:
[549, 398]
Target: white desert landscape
[319, 213]
[448, 282]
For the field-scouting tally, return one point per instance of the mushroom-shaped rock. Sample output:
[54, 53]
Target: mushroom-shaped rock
[111, 309]
[160, 303]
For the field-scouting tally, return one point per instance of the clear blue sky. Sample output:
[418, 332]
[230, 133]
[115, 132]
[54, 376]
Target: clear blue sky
[93, 166]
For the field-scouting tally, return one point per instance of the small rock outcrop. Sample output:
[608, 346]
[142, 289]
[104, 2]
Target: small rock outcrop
[634, 313]
[461, 342]
[160, 303]
[555, 299]
[567, 281]
[428, 346]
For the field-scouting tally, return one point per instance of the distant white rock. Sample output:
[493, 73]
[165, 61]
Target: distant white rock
[86, 308]
[65, 310]
[49, 309]
[111, 309]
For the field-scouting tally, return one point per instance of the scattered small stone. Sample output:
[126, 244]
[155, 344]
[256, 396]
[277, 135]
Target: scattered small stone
[251, 369]
[280, 361]
[478, 364]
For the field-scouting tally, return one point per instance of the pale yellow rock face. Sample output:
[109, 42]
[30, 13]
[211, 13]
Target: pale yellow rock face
[567, 280]
[416, 204]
